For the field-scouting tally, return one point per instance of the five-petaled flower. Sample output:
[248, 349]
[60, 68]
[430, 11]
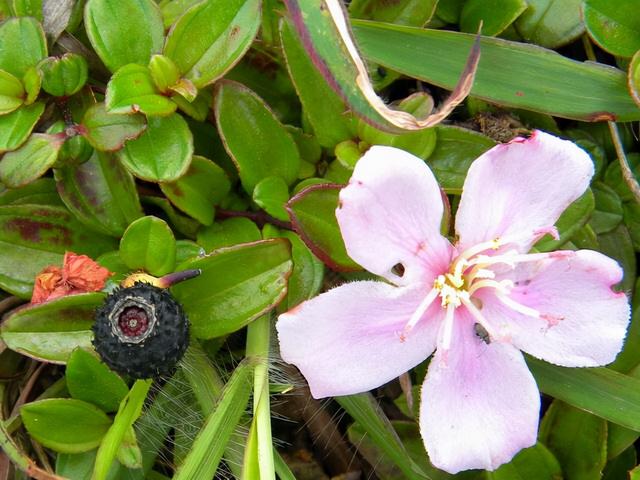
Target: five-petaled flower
[476, 302]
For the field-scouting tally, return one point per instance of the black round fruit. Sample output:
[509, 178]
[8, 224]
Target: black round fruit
[141, 331]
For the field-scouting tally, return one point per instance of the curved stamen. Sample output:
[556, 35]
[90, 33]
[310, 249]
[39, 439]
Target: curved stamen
[502, 286]
[447, 330]
[512, 259]
[417, 315]
[528, 311]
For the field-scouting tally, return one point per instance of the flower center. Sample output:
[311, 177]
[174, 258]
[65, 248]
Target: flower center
[470, 272]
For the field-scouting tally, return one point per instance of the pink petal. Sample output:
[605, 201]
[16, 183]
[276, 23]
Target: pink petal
[480, 406]
[390, 213]
[347, 340]
[575, 292]
[517, 189]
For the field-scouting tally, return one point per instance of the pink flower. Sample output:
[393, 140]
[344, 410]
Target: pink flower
[476, 303]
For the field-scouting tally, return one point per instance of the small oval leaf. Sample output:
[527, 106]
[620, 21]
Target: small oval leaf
[131, 90]
[64, 76]
[16, 126]
[22, 45]
[162, 153]
[149, 244]
[615, 26]
[108, 131]
[126, 31]
[31, 160]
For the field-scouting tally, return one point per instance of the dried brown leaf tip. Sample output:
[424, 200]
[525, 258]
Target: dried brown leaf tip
[79, 274]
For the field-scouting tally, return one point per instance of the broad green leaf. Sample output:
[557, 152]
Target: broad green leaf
[123, 32]
[90, 380]
[148, 244]
[208, 447]
[33, 237]
[313, 215]
[31, 160]
[620, 466]
[131, 90]
[162, 153]
[403, 12]
[577, 439]
[551, 23]
[613, 176]
[22, 45]
[241, 114]
[631, 217]
[615, 26]
[608, 209]
[601, 391]
[129, 411]
[204, 185]
[618, 245]
[64, 424]
[211, 37]
[495, 15]
[108, 131]
[327, 113]
[572, 219]
[28, 8]
[456, 148]
[534, 463]
[17, 126]
[323, 25]
[511, 74]
[237, 285]
[271, 194]
[51, 331]
[227, 233]
[11, 93]
[63, 76]
[41, 192]
[108, 202]
[75, 465]
[364, 409]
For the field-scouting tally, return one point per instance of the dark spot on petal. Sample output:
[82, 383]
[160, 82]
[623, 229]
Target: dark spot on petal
[398, 269]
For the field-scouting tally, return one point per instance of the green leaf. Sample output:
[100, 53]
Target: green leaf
[164, 72]
[241, 114]
[64, 424]
[608, 209]
[572, 219]
[511, 74]
[75, 465]
[551, 23]
[615, 26]
[403, 12]
[208, 447]
[228, 233]
[271, 194]
[51, 331]
[131, 90]
[149, 244]
[129, 454]
[63, 76]
[364, 409]
[107, 203]
[162, 153]
[11, 93]
[421, 143]
[456, 149]
[237, 285]
[633, 77]
[123, 32]
[90, 380]
[601, 391]
[631, 217]
[28, 8]
[108, 131]
[41, 192]
[204, 185]
[617, 244]
[16, 126]
[313, 215]
[30, 161]
[534, 463]
[22, 45]
[327, 113]
[211, 37]
[577, 439]
[307, 274]
[129, 411]
[495, 15]
[33, 237]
